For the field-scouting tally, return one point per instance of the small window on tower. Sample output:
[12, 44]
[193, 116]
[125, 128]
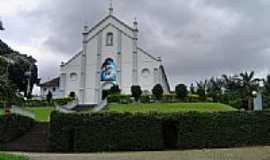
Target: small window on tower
[109, 39]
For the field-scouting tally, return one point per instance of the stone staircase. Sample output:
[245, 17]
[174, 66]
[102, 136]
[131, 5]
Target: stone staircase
[36, 140]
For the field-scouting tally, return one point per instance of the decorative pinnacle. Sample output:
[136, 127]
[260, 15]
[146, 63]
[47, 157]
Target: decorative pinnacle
[135, 24]
[111, 7]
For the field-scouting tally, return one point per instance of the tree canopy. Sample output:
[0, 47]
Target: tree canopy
[22, 63]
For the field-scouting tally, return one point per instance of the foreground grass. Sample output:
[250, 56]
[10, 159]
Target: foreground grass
[170, 107]
[4, 156]
[42, 114]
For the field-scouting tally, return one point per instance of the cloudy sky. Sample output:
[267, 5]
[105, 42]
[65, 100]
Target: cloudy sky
[195, 38]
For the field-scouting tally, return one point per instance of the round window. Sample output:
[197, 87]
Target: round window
[145, 73]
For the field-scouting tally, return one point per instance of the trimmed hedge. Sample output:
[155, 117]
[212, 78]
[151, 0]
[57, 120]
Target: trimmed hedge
[14, 126]
[154, 131]
[169, 98]
[42, 103]
[104, 132]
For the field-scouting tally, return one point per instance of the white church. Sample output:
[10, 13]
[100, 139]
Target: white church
[110, 55]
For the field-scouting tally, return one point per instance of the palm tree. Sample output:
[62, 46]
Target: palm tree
[214, 88]
[231, 82]
[266, 83]
[202, 89]
[248, 84]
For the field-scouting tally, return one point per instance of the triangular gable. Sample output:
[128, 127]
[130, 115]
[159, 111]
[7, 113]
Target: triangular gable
[110, 20]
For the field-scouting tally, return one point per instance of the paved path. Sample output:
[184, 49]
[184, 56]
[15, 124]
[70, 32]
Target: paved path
[255, 153]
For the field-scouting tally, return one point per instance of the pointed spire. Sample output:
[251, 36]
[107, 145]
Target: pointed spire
[111, 7]
[135, 24]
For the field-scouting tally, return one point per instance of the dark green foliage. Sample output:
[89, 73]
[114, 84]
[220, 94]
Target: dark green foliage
[14, 126]
[168, 98]
[158, 91]
[192, 89]
[104, 132]
[118, 132]
[61, 131]
[115, 90]
[201, 89]
[267, 85]
[181, 91]
[214, 89]
[136, 92]
[122, 99]
[145, 99]
[22, 63]
[72, 95]
[44, 103]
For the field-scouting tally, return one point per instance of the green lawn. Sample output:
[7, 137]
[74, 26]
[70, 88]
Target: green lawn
[169, 107]
[42, 114]
[1, 111]
[4, 156]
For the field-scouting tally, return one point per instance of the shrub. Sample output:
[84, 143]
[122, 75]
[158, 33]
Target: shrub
[181, 91]
[155, 131]
[115, 89]
[72, 95]
[145, 99]
[124, 99]
[14, 126]
[49, 97]
[202, 93]
[42, 103]
[136, 92]
[157, 91]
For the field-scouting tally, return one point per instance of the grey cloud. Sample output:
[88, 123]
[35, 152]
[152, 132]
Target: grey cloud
[196, 38]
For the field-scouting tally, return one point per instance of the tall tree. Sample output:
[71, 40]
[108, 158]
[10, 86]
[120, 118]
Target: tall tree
[202, 89]
[248, 84]
[214, 88]
[16, 71]
[266, 83]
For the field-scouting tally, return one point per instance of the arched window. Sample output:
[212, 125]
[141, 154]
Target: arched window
[73, 76]
[109, 39]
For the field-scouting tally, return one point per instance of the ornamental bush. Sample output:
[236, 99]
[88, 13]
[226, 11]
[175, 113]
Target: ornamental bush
[42, 103]
[136, 92]
[157, 131]
[158, 91]
[181, 91]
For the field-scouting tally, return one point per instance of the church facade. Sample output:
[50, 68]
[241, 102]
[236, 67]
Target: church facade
[110, 56]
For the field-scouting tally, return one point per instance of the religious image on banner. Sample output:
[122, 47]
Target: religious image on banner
[108, 70]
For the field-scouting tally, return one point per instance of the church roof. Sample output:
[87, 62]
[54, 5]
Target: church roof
[165, 77]
[148, 54]
[71, 59]
[52, 83]
[113, 17]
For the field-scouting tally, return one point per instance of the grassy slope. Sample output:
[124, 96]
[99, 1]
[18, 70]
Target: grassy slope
[4, 156]
[42, 113]
[170, 107]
